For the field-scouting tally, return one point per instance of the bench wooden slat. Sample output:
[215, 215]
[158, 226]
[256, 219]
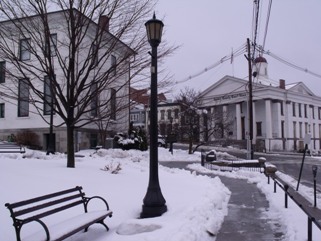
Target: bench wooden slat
[56, 210]
[41, 198]
[47, 204]
[11, 148]
[61, 230]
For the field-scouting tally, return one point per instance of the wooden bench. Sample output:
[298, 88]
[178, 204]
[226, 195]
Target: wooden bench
[11, 148]
[36, 209]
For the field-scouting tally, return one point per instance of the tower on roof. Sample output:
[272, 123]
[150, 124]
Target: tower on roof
[260, 71]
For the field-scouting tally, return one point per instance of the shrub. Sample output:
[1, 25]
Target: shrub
[28, 138]
[136, 140]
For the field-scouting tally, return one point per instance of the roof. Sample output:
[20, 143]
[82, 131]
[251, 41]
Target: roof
[77, 12]
[142, 96]
[260, 59]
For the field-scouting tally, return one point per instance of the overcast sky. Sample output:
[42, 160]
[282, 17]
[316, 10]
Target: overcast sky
[208, 30]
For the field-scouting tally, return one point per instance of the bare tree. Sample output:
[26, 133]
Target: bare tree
[82, 64]
[200, 125]
[190, 116]
[217, 124]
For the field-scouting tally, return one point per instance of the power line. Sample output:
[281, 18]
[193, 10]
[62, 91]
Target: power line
[295, 66]
[267, 22]
[255, 21]
[225, 58]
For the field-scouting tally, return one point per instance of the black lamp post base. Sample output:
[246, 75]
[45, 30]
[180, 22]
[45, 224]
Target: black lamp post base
[153, 211]
[154, 203]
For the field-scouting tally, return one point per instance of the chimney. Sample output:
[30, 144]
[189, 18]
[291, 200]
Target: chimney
[282, 84]
[104, 22]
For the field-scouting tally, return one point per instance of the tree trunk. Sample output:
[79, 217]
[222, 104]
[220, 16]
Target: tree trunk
[70, 147]
[190, 146]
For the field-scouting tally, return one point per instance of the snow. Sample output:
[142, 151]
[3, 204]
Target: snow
[197, 204]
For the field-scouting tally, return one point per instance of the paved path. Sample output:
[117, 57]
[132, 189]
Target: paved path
[246, 219]
[247, 208]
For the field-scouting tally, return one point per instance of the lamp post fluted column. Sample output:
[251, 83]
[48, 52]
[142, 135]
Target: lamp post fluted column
[154, 202]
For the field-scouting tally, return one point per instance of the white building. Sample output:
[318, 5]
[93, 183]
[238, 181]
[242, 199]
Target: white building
[24, 112]
[282, 114]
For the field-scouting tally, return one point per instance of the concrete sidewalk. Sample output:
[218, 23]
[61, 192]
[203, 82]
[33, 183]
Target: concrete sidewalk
[247, 214]
[247, 218]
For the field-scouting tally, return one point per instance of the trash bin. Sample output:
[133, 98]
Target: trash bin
[109, 143]
[210, 156]
[207, 156]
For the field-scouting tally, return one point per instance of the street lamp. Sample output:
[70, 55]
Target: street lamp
[154, 202]
[314, 171]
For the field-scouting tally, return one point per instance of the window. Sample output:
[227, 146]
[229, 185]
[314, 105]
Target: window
[113, 65]
[312, 111]
[113, 104]
[162, 114]
[259, 128]
[319, 113]
[169, 114]
[24, 49]
[307, 127]
[2, 72]
[94, 53]
[282, 129]
[23, 98]
[300, 114]
[2, 110]
[293, 108]
[294, 129]
[305, 111]
[300, 130]
[52, 45]
[47, 105]
[281, 106]
[176, 113]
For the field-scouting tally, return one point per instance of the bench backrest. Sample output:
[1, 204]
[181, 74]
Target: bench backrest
[42, 206]
[11, 148]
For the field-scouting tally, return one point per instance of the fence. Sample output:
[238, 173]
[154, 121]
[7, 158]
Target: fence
[313, 213]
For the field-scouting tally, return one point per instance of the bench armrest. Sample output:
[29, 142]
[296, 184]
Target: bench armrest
[38, 221]
[88, 199]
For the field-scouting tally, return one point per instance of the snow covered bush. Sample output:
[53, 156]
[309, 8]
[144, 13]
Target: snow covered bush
[136, 139]
[112, 168]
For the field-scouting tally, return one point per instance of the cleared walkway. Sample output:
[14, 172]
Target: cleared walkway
[247, 214]
[247, 218]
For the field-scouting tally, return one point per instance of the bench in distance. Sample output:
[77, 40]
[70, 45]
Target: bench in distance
[11, 148]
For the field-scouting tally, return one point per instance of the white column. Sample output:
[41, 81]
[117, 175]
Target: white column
[254, 124]
[238, 121]
[288, 122]
[268, 123]
[278, 119]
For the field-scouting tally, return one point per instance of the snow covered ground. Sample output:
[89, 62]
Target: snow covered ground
[196, 204]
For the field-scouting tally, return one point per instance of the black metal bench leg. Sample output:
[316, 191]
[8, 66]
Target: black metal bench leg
[102, 223]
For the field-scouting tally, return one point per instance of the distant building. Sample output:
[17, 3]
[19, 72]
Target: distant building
[282, 114]
[139, 99]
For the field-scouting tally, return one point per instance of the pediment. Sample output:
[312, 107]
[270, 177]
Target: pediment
[300, 88]
[227, 84]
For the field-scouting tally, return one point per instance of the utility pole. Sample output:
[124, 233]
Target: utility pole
[249, 59]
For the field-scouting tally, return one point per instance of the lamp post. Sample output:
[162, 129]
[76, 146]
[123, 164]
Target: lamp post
[314, 171]
[154, 202]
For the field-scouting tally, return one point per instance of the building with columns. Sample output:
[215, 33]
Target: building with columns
[282, 114]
